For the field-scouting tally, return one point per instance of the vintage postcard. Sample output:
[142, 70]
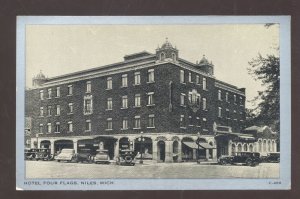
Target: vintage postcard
[153, 103]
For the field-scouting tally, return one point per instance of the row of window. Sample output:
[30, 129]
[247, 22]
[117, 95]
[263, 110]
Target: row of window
[88, 102]
[137, 81]
[109, 124]
[191, 122]
[190, 79]
[57, 110]
[193, 98]
[57, 92]
[227, 97]
[220, 112]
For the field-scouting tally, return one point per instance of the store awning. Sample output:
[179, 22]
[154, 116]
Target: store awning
[206, 145]
[192, 145]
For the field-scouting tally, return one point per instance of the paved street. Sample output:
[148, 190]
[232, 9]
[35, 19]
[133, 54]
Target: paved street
[53, 169]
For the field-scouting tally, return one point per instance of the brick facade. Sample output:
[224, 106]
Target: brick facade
[171, 117]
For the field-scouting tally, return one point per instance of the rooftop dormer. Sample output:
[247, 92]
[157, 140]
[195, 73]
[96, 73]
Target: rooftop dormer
[205, 65]
[167, 52]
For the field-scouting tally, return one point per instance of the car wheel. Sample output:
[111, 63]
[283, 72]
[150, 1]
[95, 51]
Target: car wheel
[223, 162]
[249, 162]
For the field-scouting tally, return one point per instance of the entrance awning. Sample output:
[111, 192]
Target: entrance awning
[192, 145]
[206, 145]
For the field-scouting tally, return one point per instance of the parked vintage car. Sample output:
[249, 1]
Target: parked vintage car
[126, 158]
[67, 155]
[101, 157]
[84, 155]
[248, 158]
[272, 157]
[43, 154]
[30, 153]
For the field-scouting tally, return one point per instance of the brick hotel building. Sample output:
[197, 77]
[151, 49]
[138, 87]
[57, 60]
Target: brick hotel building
[167, 100]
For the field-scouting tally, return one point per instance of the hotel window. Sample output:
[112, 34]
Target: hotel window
[137, 122]
[57, 109]
[125, 123]
[219, 112]
[162, 56]
[49, 110]
[49, 93]
[220, 95]
[41, 95]
[151, 75]
[190, 77]
[109, 103]
[58, 92]
[137, 78]
[109, 124]
[204, 104]
[182, 121]
[88, 105]
[234, 99]
[137, 100]
[70, 90]
[151, 121]
[57, 127]
[70, 105]
[150, 98]
[70, 126]
[41, 111]
[227, 113]
[124, 80]
[49, 128]
[124, 101]
[204, 124]
[198, 121]
[181, 76]
[226, 97]
[197, 79]
[88, 86]
[190, 121]
[194, 98]
[182, 99]
[88, 125]
[109, 83]
[173, 57]
[241, 101]
[204, 83]
[41, 128]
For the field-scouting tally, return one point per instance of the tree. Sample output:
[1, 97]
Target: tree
[266, 69]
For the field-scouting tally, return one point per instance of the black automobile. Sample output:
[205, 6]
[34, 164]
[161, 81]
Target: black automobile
[247, 158]
[84, 155]
[30, 153]
[43, 154]
[272, 157]
[126, 158]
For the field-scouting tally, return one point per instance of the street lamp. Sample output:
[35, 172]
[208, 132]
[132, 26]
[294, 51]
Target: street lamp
[198, 141]
[141, 140]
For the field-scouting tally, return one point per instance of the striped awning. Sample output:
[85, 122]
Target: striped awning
[206, 145]
[192, 145]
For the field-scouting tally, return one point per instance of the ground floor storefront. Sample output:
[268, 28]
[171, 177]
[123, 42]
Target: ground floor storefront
[164, 147]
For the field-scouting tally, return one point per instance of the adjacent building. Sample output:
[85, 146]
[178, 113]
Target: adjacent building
[158, 103]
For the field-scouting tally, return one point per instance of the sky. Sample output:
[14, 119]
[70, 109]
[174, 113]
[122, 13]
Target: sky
[62, 49]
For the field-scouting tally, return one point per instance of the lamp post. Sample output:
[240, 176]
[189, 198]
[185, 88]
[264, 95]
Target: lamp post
[198, 141]
[141, 139]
